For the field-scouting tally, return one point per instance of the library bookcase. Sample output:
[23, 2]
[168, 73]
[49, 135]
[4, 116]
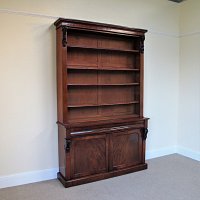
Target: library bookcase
[101, 127]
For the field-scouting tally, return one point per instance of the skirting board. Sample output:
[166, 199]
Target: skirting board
[188, 153]
[171, 150]
[28, 177]
[160, 152]
[48, 174]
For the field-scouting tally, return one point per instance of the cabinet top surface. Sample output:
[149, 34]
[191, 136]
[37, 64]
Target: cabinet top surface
[114, 122]
[87, 25]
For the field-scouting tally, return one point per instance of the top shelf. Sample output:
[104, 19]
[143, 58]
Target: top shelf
[103, 49]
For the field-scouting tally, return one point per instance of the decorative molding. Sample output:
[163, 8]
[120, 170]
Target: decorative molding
[64, 39]
[144, 133]
[142, 44]
[67, 145]
[28, 177]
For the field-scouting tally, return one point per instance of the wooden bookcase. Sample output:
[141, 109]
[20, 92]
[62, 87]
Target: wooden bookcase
[101, 127]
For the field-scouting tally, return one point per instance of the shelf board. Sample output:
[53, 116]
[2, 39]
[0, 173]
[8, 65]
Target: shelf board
[103, 49]
[104, 104]
[107, 119]
[74, 67]
[109, 84]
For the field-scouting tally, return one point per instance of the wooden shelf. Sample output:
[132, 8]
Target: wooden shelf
[104, 119]
[109, 84]
[98, 118]
[77, 67]
[103, 49]
[105, 104]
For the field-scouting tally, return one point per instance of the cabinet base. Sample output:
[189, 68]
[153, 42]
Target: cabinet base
[97, 177]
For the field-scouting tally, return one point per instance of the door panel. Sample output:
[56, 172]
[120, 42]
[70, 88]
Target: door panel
[126, 149]
[89, 155]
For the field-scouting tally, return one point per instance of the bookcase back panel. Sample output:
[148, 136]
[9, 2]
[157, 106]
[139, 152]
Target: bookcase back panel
[82, 77]
[117, 110]
[118, 77]
[82, 112]
[116, 42]
[116, 94]
[82, 57]
[97, 112]
[81, 95]
[87, 76]
[100, 40]
[82, 39]
[117, 59]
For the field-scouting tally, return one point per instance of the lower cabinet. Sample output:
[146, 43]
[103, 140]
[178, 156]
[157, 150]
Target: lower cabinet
[102, 154]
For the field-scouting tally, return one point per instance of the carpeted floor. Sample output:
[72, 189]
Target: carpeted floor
[171, 177]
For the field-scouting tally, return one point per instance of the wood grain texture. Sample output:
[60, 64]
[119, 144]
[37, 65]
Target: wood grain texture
[89, 155]
[126, 148]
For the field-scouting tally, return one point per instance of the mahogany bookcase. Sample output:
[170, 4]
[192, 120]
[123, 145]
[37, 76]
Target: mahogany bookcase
[101, 127]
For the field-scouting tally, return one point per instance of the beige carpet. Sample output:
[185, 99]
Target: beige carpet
[171, 177]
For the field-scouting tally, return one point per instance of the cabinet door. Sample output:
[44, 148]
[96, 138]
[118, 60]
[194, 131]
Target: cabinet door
[89, 155]
[125, 149]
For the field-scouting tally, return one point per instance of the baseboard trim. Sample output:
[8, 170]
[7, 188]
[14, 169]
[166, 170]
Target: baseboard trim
[160, 152]
[28, 177]
[171, 150]
[48, 174]
[188, 153]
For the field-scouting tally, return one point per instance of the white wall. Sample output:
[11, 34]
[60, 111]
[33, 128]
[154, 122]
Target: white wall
[161, 92]
[189, 106]
[28, 94]
[28, 132]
